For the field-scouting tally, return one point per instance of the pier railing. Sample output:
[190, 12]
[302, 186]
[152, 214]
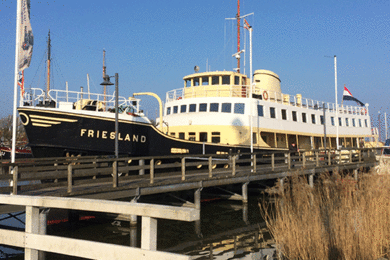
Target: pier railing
[33, 240]
[71, 175]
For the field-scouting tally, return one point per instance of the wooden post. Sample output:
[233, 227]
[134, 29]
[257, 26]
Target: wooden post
[273, 162]
[42, 229]
[254, 162]
[311, 182]
[360, 155]
[210, 167]
[183, 169]
[317, 159]
[115, 174]
[329, 158]
[234, 165]
[32, 227]
[245, 193]
[149, 233]
[70, 178]
[350, 156]
[151, 171]
[15, 180]
[289, 161]
[303, 159]
[355, 174]
[141, 163]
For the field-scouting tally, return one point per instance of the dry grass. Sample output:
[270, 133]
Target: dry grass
[337, 219]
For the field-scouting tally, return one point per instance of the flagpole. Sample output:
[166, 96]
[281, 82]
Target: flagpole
[16, 77]
[337, 109]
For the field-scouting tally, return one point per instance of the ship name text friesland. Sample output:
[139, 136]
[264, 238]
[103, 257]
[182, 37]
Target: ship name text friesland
[90, 133]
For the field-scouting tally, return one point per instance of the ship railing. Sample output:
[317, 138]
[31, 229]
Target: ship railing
[32, 97]
[263, 94]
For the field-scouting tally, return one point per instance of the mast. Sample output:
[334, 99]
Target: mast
[48, 64]
[238, 35]
[104, 76]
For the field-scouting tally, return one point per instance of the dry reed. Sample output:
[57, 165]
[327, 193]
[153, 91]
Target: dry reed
[339, 218]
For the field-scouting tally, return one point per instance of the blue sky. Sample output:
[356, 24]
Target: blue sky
[154, 44]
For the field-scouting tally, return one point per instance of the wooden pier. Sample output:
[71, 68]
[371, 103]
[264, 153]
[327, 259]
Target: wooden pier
[43, 183]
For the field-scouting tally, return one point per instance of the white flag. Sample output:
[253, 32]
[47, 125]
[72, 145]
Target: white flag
[26, 37]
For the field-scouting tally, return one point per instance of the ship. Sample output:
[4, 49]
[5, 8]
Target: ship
[214, 112]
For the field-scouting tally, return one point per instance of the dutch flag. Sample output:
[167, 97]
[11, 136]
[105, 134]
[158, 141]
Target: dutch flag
[348, 96]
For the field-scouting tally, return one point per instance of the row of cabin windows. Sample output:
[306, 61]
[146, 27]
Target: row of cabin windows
[272, 112]
[215, 80]
[238, 108]
[202, 136]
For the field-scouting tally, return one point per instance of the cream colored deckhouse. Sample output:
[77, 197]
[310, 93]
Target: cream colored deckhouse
[217, 107]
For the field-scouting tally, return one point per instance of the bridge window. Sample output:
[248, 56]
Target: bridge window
[340, 122]
[183, 108]
[203, 137]
[294, 116]
[272, 112]
[284, 114]
[226, 107]
[225, 80]
[215, 137]
[322, 120]
[236, 80]
[353, 122]
[260, 111]
[214, 80]
[332, 120]
[203, 107]
[168, 110]
[360, 123]
[303, 117]
[196, 81]
[175, 109]
[346, 122]
[181, 135]
[239, 108]
[214, 107]
[191, 136]
[173, 134]
[188, 83]
[205, 81]
[365, 122]
[313, 118]
[192, 108]
[254, 138]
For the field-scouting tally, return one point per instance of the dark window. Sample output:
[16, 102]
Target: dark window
[353, 122]
[196, 81]
[175, 109]
[192, 108]
[173, 133]
[214, 80]
[183, 108]
[168, 110]
[304, 117]
[340, 123]
[191, 136]
[236, 80]
[215, 137]
[225, 80]
[284, 114]
[254, 138]
[188, 83]
[260, 111]
[294, 116]
[360, 123]
[346, 122]
[214, 107]
[226, 107]
[322, 120]
[203, 137]
[365, 122]
[332, 120]
[313, 118]
[203, 107]
[272, 112]
[205, 81]
[181, 135]
[239, 108]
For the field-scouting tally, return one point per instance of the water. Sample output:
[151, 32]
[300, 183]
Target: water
[227, 230]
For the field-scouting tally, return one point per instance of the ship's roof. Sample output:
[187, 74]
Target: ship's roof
[213, 73]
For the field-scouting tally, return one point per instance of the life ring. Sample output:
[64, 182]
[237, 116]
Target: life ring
[265, 95]
[364, 111]
[178, 98]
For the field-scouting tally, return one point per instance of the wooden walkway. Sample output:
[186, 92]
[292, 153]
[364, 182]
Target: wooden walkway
[92, 177]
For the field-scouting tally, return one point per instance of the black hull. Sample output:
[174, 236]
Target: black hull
[76, 134]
